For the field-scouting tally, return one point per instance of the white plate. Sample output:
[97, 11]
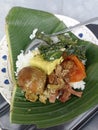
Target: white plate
[6, 85]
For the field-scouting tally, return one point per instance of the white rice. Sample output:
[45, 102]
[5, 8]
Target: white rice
[84, 62]
[78, 85]
[32, 36]
[23, 60]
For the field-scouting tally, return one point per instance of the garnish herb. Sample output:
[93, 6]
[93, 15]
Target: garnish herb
[65, 43]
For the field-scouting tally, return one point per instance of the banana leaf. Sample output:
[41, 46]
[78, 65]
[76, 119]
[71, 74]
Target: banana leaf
[19, 25]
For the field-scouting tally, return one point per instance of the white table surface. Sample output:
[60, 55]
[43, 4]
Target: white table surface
[77, 9]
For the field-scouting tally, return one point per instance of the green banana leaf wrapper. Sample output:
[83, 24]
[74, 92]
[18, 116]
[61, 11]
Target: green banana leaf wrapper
[19, 25]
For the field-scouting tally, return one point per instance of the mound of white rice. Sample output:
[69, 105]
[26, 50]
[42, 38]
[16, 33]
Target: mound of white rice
[23, 60]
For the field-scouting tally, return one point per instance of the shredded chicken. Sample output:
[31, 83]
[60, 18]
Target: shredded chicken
[60, 76]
